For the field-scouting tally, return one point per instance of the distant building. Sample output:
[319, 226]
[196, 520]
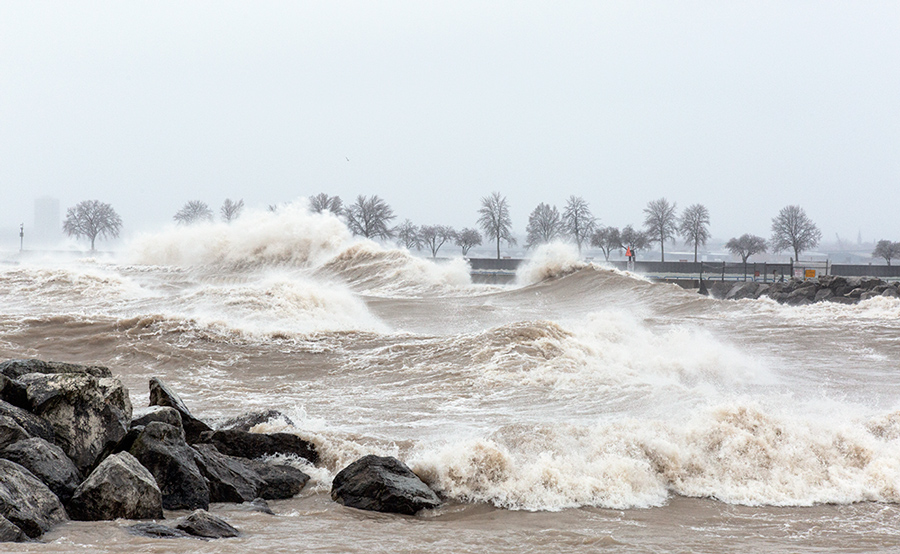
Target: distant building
[47, 230]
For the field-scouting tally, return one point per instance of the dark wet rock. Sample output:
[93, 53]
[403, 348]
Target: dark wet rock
[86, 413]
[382, 484]
[744, 290]
[48, 463]
[156, 531]
[33, 425]
[842, 300]
[123, 445]
[870, 283]
[11, 432]
[256, 445]
[162, 395]
[9, 532]
[823, 294]
[245, 422]
[856, 293]
[15, 369]
[832, 281]
[201, 523]
[161, 448]
[279, 480]
[780, 297]
[892, 292]
[26, 502]
[120, 487]
[720, 289]
[230, 479]
[165, 414]
[259, 505]
[12, 391]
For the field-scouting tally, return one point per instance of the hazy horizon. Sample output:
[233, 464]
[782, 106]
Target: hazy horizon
[744, 108]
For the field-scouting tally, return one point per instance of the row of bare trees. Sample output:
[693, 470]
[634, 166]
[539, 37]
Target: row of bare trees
[196, 211]
[370, 216]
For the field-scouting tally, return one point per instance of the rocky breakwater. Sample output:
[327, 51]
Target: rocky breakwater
[798, 292]
[72, 446]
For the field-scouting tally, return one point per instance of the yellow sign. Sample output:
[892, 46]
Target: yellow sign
[810, 274]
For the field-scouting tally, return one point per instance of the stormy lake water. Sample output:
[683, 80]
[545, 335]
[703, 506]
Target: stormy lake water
[581, 409]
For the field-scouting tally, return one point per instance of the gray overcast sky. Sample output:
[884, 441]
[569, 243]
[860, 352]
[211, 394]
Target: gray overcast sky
[742, 106]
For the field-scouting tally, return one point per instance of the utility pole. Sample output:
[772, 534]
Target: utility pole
[21, 237]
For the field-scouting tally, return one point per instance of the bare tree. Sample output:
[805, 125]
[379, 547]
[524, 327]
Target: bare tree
[467, 238]
[369, 217]
[408, 235]
[745, 246]
[791, 228]
[887, 250]
[606, 239]
[495, 220]
[694, 226]
[322, 202]
[634, 239]
[544, 225]
[91, 219]
[661, 223]
[272, 208]
[578, 221]
[231, 210]
[192, 212]
[434, 236]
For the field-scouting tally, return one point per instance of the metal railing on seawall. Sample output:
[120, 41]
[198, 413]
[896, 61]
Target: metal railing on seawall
[689, 274]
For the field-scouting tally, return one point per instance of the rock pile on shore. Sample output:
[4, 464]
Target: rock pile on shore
[71, 446]
[798, 292]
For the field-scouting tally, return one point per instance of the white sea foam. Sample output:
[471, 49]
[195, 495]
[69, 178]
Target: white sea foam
[290, 236]
[276, 303]
[739, 453]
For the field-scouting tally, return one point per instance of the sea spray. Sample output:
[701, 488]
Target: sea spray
[740, 453]
[289, 236]
[548, 261]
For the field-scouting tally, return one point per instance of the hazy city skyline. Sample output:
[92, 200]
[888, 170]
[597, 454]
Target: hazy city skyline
[744, 108]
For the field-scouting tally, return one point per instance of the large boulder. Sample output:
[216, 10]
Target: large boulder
[33, 425]
[10, 431]
[9, 532]
[279, 481]
[230, 479]
[255, 445]
[743, 290]
[12, 391]
[246, 422]
[17, 368]
[156, 531]
[382, 484]
[48, 463]
[161, 448]
[26, 502]
[823, 294]
[120, 487]
[142, 416]
[162, 395]
[86, 413]
[201, 523]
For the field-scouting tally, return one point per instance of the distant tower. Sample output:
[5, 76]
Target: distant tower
[859, 238]
[47, 224]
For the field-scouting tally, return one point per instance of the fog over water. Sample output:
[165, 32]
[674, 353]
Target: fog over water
[743, 107]
[577, 409]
